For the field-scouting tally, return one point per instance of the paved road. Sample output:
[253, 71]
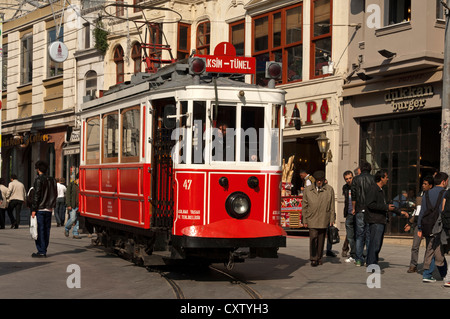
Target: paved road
[290, 277]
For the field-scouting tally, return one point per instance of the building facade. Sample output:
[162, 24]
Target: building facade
[38, 94]
[392, 99]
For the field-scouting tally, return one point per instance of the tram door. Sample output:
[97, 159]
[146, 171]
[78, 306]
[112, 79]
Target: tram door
[162, 170]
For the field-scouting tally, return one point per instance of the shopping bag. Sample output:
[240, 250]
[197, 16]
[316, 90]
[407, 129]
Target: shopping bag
[333, 235]
[33, 228]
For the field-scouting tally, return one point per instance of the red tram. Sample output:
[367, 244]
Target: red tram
[182, 165]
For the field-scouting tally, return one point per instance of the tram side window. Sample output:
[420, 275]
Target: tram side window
[130, 134]
[275, 158]
[252, 136]
[198, 132]
[110, 137]
[93, 140]
[223, 134]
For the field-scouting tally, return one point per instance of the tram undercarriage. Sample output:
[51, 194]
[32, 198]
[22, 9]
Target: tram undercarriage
[158, 247]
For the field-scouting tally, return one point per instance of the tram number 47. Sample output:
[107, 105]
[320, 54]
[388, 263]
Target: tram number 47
[187, 184]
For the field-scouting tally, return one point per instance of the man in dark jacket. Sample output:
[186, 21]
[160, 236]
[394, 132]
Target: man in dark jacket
[349, 243]
[43, 202]
[376, 215]
[360, 186]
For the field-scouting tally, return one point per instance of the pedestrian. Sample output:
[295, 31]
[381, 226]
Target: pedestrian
[377, 215]
[43, 202]
[360, 186]
[434, 255]
[427, 184]
[60, 210]
[72, 207]
[16, 196]
[318, 213]
[3, 202]
[349, 243]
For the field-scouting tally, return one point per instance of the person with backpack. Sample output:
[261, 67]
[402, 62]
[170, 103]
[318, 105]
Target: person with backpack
[43, 202]
[430, 226]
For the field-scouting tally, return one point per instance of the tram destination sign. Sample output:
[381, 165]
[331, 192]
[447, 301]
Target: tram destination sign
[229, 64]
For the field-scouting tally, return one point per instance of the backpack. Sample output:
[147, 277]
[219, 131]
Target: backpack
[431, 214]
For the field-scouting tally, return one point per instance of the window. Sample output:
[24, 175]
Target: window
[110, 137]
[399, 11]
[223, 141]
[184, 41]
[130, 134]
[54, 68]
[320, 37]
[120, 8]
[118, 59]
[277, 36]
[237, 37]
[26, 74]
[203, 37]
[93, 140]
[87, 35]
[137, 57]
[440, 14]
[91, 83]
[5, 67]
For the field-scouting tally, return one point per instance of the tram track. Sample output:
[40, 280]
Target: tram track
[240, 283]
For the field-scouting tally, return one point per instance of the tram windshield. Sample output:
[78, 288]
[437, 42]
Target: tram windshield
[244, 134]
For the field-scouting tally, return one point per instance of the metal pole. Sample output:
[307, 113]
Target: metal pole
[445, 122]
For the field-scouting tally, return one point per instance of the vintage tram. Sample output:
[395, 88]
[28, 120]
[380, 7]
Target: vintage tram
[183, 165]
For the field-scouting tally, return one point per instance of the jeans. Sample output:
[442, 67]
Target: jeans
[376, 232]
[60, 210]
[73, 221]
[350, 230]
[44, 223]
[362, 236]
[427, 273]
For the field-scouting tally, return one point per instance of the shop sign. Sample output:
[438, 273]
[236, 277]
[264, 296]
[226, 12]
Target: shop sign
[409, 98]
[26, 140]
[314, 111]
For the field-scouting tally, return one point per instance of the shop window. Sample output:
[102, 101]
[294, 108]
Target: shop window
[237, 36]
[118, 60]
[203, 37]
[93, 140]
[320, 37]
[130, 134]
[184, 41]
[277, 36]
[26, 74]
[398, 11]
[136, 55]
[110, 138]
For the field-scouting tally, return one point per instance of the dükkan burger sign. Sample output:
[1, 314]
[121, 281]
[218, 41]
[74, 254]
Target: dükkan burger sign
[409, 98]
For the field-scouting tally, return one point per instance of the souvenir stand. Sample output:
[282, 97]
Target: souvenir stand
[291, 204]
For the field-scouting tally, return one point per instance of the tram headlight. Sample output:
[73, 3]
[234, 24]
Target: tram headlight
[238, 205]
[197, 65]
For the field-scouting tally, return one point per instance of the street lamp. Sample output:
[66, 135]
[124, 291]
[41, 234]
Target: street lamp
[324, 147]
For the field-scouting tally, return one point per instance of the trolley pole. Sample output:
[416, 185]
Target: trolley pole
[445, 122]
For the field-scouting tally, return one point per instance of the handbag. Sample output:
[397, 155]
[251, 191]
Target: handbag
[333, 235]
[33, 228]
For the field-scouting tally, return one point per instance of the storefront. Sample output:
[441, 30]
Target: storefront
[318, 104]
[21, 151]
[396, 124]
